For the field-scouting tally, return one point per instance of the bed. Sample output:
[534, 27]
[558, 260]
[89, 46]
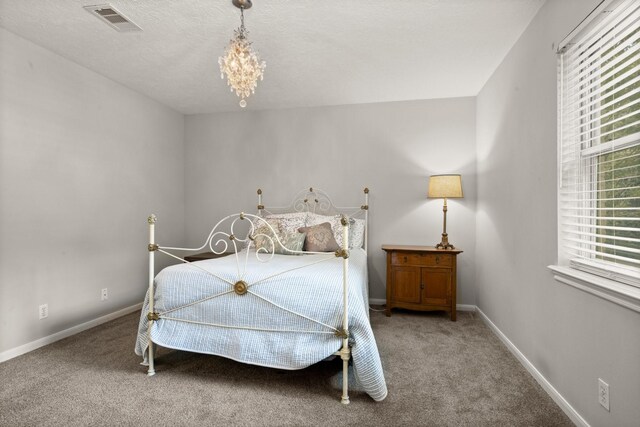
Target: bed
[292, 292]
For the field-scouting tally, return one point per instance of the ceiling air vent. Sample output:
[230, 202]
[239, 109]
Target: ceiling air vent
[112, 17]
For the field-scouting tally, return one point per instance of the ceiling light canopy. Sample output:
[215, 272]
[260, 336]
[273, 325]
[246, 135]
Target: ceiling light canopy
[240, 62]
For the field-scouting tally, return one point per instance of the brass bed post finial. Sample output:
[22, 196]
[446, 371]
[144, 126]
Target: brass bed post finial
[152, 219]
[365, 207]
[260, 205]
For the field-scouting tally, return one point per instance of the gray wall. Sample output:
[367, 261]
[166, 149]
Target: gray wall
[83, 161]
[392, 148]
[573, 338]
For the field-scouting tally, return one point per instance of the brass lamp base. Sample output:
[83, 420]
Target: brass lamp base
[444, 244]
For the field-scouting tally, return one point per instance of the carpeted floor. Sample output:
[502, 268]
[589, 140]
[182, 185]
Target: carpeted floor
[439, 373]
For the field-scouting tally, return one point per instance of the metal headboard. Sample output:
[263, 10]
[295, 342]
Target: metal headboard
[318, 201]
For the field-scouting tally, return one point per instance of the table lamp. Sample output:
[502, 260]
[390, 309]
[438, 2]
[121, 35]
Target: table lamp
[445, 187]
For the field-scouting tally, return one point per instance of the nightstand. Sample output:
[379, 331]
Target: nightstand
[421, 278]
[205, 255]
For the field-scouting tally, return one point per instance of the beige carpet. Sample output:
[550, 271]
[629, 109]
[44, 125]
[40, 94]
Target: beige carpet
[439, 373]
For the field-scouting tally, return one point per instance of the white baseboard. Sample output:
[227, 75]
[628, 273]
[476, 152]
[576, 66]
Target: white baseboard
[459, 307]
[546, 385]
[17, 351]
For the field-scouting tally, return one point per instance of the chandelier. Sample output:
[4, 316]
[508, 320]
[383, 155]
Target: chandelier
[240, 62]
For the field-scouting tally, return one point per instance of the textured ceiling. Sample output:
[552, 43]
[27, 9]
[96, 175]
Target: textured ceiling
[322, 52]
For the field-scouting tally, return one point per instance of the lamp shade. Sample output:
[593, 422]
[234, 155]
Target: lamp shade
[445, 186]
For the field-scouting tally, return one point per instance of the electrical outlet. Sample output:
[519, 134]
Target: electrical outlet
[104, 295]
[603, 393]
[43, 311]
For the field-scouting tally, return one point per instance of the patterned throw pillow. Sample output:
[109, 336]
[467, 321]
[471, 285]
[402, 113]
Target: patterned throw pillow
[289, 222]
[319, 238]
[266, 239]
[356, 233]
[356, 228]
[292, 242]
[264, 235]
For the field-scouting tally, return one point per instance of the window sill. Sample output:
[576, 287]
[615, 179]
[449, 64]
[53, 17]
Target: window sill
[625, 295]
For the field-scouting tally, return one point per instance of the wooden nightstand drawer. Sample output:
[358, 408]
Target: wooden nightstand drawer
[421, 259]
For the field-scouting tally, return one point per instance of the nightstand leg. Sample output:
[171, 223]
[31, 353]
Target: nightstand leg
[453, 315]
[387, 311]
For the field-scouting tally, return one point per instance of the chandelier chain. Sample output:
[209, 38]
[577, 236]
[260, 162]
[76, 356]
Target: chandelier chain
[242, 29]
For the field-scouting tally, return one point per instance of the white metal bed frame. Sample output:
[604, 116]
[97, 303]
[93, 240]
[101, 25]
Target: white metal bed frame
[218, 242]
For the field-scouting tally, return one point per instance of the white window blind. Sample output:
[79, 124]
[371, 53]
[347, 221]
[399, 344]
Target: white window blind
[599, 145]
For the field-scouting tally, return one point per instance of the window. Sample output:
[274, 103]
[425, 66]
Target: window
[599, 145]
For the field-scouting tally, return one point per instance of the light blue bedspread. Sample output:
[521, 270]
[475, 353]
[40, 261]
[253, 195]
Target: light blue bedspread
[313, 291]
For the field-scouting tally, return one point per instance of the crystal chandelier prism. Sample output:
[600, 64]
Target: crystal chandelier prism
[240, 62]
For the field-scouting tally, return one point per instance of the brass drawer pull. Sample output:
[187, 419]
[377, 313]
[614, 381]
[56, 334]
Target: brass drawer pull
[405, 259]
[437, 260]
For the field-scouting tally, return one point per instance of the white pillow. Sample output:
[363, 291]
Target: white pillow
[356, 233]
